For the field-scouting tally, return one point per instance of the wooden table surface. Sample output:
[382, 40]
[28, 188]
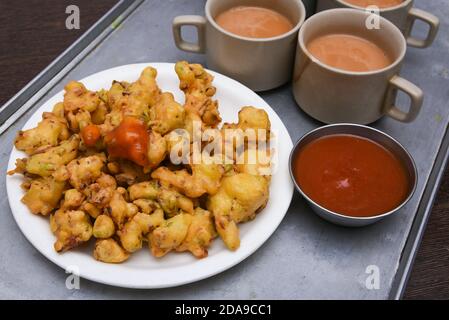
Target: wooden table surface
[33, 33]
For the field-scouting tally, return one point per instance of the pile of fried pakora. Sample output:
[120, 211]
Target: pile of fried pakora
[99, 166]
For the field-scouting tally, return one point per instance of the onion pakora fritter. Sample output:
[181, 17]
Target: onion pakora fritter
[100, 166]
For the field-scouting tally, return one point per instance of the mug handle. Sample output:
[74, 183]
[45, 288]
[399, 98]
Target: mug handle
[199, 23]
[432, 21]
[416, 99]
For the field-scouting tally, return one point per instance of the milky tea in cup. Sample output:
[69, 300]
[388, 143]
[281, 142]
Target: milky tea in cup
[251, 41]
[254, 22]
[345, 72]
[349, 52]
[401, 13]
[378, 3]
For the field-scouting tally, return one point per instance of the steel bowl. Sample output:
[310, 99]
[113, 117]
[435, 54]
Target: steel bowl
[366, 132]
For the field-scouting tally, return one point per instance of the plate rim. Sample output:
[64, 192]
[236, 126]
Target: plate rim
[59, 261]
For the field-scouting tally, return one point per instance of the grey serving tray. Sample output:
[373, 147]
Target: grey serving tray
[306, 258]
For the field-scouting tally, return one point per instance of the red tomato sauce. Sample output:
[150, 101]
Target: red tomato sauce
[351, 175]
[129, 141]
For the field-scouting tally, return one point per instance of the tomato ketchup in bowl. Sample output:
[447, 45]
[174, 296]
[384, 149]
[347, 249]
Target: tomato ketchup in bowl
[352, 175]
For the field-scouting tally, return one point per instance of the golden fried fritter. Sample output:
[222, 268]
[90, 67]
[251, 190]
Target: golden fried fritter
[205, 178]
[166, 115]
[143, 93]
[79, 120]
[144, 190]
[126, 172]
[103, 227]
[91, 209]
[134, 99]
[239, 198]
[200, 234]
[121, 210]
[157, 150]
[99, 115]
[255, 161]
[169, 235]
[85, 171]
[47, 162]
[255, 119]
[115, 94]
[146, 205]
[132, 233]
[101, 191]
[81, 183]
[109, 251]
[48, 133]
[77, 97]
[171, 201]
[197, 86]
[131, 100]
[78, 104]
[72, 199]
[71, 229]
[43, 195]
[58, 110]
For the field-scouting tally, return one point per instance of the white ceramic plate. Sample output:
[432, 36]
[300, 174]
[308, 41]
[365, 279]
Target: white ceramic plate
[142, 270]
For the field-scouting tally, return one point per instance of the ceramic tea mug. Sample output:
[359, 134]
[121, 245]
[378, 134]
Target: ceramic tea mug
[334, 95]
[259, 63]
[402, 15]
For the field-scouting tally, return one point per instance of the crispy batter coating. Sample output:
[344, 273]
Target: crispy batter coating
[197, 86]
[115, 94]
[77, 97]
[146, 205]
[87, 189]
[166, 115]
[99, 115]
[72, 199]
[58, 110]
[171, 201]
[121, 210]
[126, 172]
[43, 195]
[78, 104]
[48, 133]
[85, 171]
[239, 198]
[77, 121]
[101, 191]
[131, 99]
[144, 190]
[255, 162]
[48, 161]
[143, 93]
[103, 227]
[132, 233]
[252, 118]
[134, 99]
[71, 229]
[157, 150]
[200, 234]
[169, 235]
[92, 210]
[205, 178]
[109, 251]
